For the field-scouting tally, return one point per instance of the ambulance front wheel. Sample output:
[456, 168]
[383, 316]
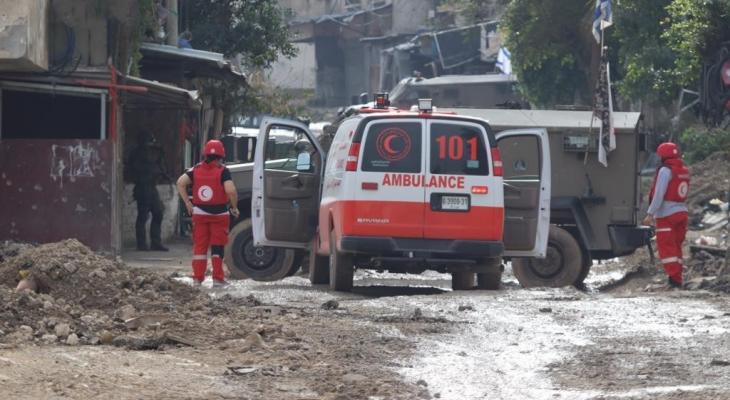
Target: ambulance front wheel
[244, 260]
[341, 268]
[562, 265]
[318, 265]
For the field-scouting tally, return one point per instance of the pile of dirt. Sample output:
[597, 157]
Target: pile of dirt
[83, 298]
[86, 299]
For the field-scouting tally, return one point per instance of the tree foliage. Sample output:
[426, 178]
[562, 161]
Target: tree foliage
[695, 31]
[550, 44]
[255, 29]
[645, 62]
[656, 46]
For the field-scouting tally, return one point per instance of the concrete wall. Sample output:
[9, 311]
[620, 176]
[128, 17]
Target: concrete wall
[306, 9]
[299, 72]
[409, 16]
[56, 189]
[24, 35]
[129, 215]
[93, 24]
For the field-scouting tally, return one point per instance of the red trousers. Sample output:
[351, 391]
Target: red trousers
[209, 230]
[670, 232]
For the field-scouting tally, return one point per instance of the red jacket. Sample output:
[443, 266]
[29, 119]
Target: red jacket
[678, 187]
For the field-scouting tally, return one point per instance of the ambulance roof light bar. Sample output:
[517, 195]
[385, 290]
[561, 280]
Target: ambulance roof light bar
[381, 101]
[425, 105]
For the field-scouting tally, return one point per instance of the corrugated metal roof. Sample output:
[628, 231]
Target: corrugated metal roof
[207, 58]
[510, 119]
[162, 94]
[463, 79]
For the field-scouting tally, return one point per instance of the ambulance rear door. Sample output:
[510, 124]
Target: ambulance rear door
[526, 165]
[286, 187]
[463, 197]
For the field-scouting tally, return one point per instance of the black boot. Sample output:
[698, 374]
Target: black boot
[158, 247]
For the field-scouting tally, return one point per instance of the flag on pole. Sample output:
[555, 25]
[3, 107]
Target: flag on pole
[603, 110]
[504, 61]
[602, 18]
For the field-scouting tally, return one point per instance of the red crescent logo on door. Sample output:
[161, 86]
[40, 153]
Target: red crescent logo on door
[393, 144]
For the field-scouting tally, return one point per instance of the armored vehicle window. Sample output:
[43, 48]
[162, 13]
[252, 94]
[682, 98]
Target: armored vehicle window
[518, 157]
[458, 150]
[393, 147]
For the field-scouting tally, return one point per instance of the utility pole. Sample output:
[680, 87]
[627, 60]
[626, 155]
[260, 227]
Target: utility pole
[171, 24]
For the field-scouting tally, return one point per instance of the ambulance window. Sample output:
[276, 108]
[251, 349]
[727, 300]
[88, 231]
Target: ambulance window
[283, 146]
[458, 150]
[393, 147]
[520, 157]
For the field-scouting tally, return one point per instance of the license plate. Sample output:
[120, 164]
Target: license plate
[459, 203]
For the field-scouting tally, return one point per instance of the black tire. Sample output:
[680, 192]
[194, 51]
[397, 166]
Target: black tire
[260, 264]
[298, 262]
[585, 269]
[561, 267]
[341, 270]
[462, 280]
[319, 266]
[492, 279]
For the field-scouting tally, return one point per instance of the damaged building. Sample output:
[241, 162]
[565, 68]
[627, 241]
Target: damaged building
[72, 107]
[350, 47]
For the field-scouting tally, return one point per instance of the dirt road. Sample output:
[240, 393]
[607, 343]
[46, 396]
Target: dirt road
[403, 336]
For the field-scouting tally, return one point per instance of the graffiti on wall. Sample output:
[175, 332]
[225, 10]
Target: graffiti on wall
[72, 162]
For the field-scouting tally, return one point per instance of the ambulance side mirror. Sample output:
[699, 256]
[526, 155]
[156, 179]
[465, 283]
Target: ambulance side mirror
[304, 162]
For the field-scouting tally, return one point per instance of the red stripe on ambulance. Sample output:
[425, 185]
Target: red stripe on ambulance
[406, 219]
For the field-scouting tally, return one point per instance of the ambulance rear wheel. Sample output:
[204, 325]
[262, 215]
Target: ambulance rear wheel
[319, 273]
[492, 278]
[244, 260]
[341, 268]
[561, 267]
[462, 280]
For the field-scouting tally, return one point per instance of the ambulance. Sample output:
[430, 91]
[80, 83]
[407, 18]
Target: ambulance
[404, 191]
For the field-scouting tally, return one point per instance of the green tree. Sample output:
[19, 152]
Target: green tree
[696, 30]
[551, 46]
[645, 61]
[255, 29]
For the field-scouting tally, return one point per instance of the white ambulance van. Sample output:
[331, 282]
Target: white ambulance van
[404, 191]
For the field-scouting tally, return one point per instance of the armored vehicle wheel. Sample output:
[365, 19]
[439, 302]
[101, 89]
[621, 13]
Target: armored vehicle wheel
[462, 280]
[244, 260]
[561, 266]
[319, 273]
[340, 268]
[491, 279]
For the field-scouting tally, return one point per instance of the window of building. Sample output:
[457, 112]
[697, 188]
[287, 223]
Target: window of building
[29, 111]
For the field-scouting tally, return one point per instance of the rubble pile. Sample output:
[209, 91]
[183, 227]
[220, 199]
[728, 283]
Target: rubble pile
[710, 180]
[75, 296]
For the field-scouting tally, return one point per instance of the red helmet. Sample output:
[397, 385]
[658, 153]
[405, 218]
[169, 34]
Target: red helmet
[668, 150]
[214, 148]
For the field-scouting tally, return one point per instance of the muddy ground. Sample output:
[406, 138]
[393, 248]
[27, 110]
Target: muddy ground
[395, 337]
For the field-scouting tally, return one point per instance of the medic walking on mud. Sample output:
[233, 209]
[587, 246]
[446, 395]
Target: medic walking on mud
[214, 196]
[667, 207]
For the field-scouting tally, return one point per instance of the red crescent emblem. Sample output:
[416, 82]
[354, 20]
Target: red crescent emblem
[393, 144]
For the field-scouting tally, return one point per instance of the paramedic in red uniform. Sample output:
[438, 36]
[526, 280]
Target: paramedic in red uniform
[667, 207]
[213, 196]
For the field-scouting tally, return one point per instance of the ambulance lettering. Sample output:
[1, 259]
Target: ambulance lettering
[414, 180]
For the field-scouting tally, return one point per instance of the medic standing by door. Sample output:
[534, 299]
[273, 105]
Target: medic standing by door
[214, 195]
[667, 206]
